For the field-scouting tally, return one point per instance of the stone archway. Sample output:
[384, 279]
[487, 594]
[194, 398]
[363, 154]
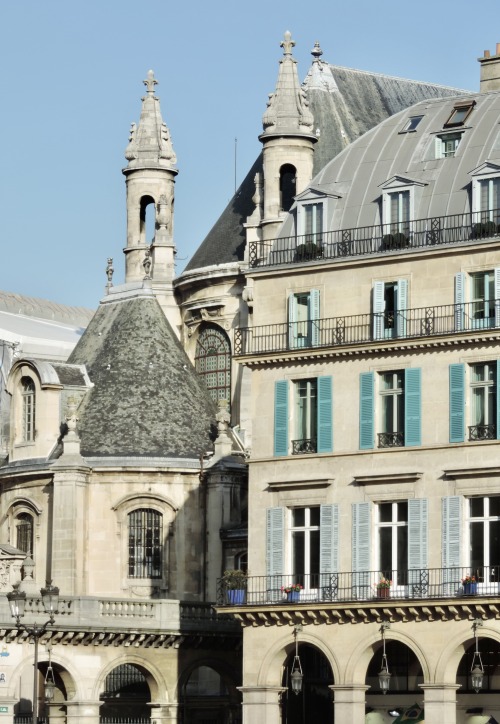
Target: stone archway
[209, 694]
[487, 699]
[405, 682]
[315, 702]
[126, 695]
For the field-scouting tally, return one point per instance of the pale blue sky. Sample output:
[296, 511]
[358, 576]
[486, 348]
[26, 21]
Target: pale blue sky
[71, 80]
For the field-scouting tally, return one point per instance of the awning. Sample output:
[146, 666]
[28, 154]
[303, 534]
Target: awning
[412, 714]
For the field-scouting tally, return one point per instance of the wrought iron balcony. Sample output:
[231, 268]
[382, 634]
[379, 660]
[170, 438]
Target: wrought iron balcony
[421, 583]
[391, 439]
[364, 328]
[482, 432]
[420, 234]
[301, 447]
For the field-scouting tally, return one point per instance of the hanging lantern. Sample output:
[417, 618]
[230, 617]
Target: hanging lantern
[296, 677]
[477, 668]
[384, 677]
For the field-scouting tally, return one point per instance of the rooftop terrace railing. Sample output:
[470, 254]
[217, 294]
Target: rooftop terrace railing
[421, 583]
[378, 239]
[363, 328]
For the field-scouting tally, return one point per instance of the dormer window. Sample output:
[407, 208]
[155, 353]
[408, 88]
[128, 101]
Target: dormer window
[313, 222]
[447, 144]
[28, 404]
[459, 114]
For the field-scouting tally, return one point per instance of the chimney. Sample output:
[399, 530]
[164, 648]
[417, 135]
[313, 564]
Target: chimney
[490, 71]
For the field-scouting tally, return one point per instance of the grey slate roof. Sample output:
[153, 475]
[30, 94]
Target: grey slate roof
[147, 399]
[345, 104]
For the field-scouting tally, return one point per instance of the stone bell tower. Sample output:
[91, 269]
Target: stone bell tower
[150, 178]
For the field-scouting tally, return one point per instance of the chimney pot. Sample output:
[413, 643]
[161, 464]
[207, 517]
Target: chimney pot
[498, 48]
[486, 53]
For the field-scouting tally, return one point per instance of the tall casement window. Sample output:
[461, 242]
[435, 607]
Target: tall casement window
[482, 419]
[288, 180]
[390, 302]
[397, 418]
[303, 319]
[447, 144]
[24, 532]
[399, 212]
[313, 222]
[484, 537]
[213, 362]
[28, 409]
[489, 199]
[145, 543]
[392, 526]
[305, 544]
[303, 416]
[477, 300]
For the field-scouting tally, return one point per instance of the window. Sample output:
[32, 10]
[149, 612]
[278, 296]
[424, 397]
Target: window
[399, 212]
[459, 114]
[313, 222]
[288, 180]
[489, 201]
[392, 527]
[303, 319]
[484, 537]
[398, 410]
[447, 144]
[305, 544]
[411, 124]
[311, 422]
[24, 532]
[145, 543]
[28, 397]
[483, 309]
[390, 301]
[306, 417]
[213, 362]
[484, 401]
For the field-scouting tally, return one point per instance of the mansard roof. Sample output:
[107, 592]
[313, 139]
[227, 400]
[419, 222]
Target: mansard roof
[147, 399]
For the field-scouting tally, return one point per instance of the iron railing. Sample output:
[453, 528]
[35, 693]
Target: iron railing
[378, 239]
[391, 439]
[420, 583]
[301, 447]
[482, 432]
[364, 328]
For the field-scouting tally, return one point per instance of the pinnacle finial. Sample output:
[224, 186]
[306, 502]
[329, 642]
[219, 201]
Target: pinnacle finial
[316, 52]
[287, 44]
[150, 83]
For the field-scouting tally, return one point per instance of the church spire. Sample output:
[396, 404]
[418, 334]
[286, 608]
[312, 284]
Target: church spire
[287, 108]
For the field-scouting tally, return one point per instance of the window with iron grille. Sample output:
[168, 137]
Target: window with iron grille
[213, 362]
[24, 532]
[145, 543]
[28, 421]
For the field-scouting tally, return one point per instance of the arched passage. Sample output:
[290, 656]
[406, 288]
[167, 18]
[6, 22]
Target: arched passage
[488, 696]
[404, 686]
[208, 695]
[314, 703]
[126, 695]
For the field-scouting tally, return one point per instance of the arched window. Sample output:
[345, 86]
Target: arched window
[148, 219]
[213, 362]
[24, 532]
[28, 420]
[288, 182]
[145, 543]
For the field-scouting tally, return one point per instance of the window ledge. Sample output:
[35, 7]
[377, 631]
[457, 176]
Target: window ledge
[291, 484]
[388, 478]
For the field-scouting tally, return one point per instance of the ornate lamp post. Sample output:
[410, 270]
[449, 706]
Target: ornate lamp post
[17, 602]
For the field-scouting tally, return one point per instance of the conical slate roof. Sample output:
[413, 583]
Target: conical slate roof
[147, 399]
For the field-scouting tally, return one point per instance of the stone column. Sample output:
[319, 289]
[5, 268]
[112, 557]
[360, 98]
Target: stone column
[82, 712]
[349, 705]
[440, 703]
[261, 704]
[165, 713]
[7, 708]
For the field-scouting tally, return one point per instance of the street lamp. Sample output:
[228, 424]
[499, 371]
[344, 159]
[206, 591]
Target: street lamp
[296, 676]
[477, 668]
[384, 676]
[17, 603]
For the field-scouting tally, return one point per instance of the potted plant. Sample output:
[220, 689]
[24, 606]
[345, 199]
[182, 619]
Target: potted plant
[384, 587]
[309, 250]
[292, 592]
[470, 585]
[235, 583]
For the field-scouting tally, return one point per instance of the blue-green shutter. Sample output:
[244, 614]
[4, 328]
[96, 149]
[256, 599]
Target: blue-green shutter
[497, 391]
[378, 310]
[459, 301]
[314, 316]
[412, 407]
[281, 418]
[418, 542]
[457, 402]
[366, 410]
[329, 548]
[292, 322]
[361, 535]
[325, 422]
[275, 527]
[497, 296]
[401, 307]
[451, 543]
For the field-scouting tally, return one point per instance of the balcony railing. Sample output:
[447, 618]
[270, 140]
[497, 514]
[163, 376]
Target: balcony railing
[391, 439]
[421, 583]
[378, 239]
[482, 432]
[301, 447]
[363, 328]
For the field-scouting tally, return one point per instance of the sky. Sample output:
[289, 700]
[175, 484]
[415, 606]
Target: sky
[71, 75]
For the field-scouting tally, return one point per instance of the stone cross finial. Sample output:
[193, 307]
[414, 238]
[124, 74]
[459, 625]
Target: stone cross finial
[150, 83]
[316, 52]
[287, 44]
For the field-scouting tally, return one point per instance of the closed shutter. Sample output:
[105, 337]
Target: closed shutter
[451, 527]
[281, 418]
[361, 529]
[292, 321]
[412, 407]
[497, 296]
[402, 306]
[314, 317]
[378, 310]
[325, 422]
[329, 551]
[418, 575]
[497, 391]
[366, 410]
[275, 544]
[457, 402]
[459, 301]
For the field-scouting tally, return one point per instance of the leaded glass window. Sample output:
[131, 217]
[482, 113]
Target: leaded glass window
[28, 396]
[213, 362]
[145, 543]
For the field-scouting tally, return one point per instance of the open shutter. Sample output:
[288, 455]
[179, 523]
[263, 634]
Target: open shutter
[378, 310]
[366, 409]
[418, 575]
[401, 307]
[361, 549]
[275, 526]
[451, 527]
[459, 301]
[412, 407]
[329, 551]
[497, 296]
[325, 423]
[498, 399]
[314, 316]
[281, 418]
[292, 322]
[457, 403]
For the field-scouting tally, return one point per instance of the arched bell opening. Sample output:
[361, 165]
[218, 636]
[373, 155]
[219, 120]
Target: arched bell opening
[288, 185]
[147, 220]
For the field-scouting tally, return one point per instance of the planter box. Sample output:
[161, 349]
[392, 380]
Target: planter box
[383, 592]
[293, 596]
[236, 596]
[470, 589]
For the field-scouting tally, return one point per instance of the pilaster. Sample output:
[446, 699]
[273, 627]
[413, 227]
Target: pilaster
[349, 703]
[261, 704]
[440, 703]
